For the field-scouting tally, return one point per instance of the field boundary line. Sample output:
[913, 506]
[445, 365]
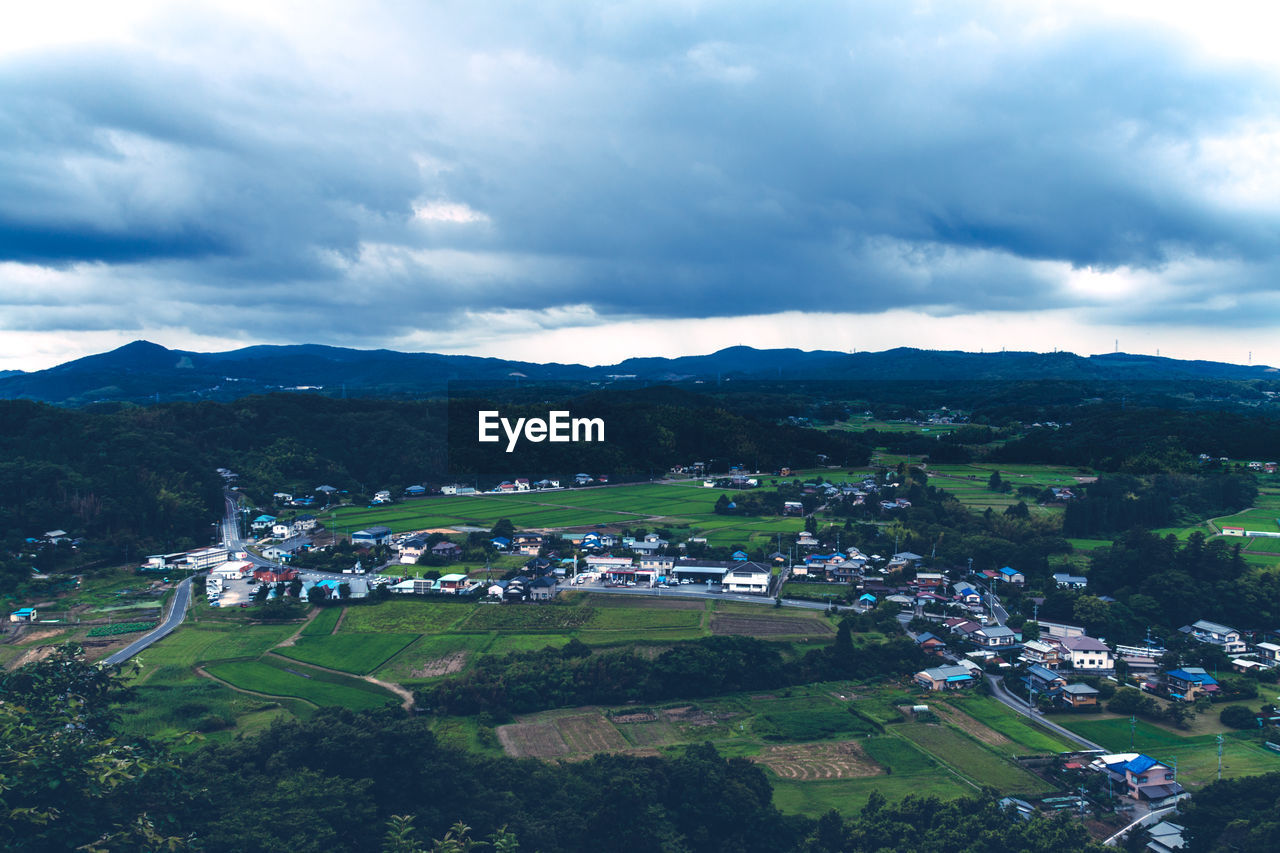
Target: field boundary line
[292, 639]
[398, 690]
[201, 671]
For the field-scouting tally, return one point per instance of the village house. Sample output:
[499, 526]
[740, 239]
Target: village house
[1013, 576]
[994, 637]
[1149, 780]
[1043, 681]
[543, 589]
[945, 678]
[262, 523]
[372, 536]
[1190, 683]
[24, 614]
[1078, 696]
[1065, 580]
[1087, 653]
[528, 544]
[1269, 653]
[752, 578]
[1224, 637]
[447, 550]
[412, 549]
[452, 584]
[1040, 653]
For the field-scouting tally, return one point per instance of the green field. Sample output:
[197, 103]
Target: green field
[970, 759]
[284, 678]
[898, 755]
[360, 654]
[323, 623]
[192, 644]
[684, 507]
[850, 795]
[1025, 734]
[406, 616]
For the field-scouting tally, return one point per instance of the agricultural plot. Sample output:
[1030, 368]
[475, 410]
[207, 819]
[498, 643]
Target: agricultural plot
[898, 756]
[587, 734]
[406, 616]
[119, 628]
[640, 619]
[806, 725]
[1018, 730]
[355, 653]
[284, 678]
[434, 656]
[815, 798]
[323, 623]
[673, 505]
[1259, 518]
[530, 740]
[813, 761]
[970, 759]
[764, 626]
[1269, 546]
[526, 619]
[196, 644]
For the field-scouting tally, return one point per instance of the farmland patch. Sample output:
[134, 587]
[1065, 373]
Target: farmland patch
[815, 761]
[764, 626]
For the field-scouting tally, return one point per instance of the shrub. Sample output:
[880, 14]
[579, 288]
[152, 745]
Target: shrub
[1238, 717]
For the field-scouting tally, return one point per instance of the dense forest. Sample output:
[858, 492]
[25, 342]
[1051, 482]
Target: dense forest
[380, 781]
[1146, 441]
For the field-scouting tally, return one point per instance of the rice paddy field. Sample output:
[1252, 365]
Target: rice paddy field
[818, 756]
[336, 655]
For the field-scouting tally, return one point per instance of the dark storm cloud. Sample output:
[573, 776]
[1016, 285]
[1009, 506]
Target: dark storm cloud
[688, 162]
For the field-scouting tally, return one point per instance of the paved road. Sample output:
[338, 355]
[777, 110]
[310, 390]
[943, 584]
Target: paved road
[177, 612]
[1004, 696]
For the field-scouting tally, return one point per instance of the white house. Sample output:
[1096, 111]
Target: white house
[748, 577]
[1087, 653]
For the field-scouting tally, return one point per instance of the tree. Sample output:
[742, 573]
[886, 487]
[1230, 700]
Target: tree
[1238, 717]
[344, 590]
[995, 482]
[1018, 510]
[66, 782]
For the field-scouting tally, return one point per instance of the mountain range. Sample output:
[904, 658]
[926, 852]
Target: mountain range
[143, 371]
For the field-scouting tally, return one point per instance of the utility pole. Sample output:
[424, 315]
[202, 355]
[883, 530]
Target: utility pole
[1219, 758]
[1133, 728]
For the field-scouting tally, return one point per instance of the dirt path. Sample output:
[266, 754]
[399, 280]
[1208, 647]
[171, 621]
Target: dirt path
[403, 692]
[293, 638]
[338, 624]
[201, 671]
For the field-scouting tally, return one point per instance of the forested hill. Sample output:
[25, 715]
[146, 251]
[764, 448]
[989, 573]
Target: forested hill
[146, 372]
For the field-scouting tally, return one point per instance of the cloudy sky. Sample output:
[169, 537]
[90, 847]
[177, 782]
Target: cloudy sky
[584, 182]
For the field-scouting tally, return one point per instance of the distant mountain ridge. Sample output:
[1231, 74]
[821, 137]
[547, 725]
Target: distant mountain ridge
[142, 371]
